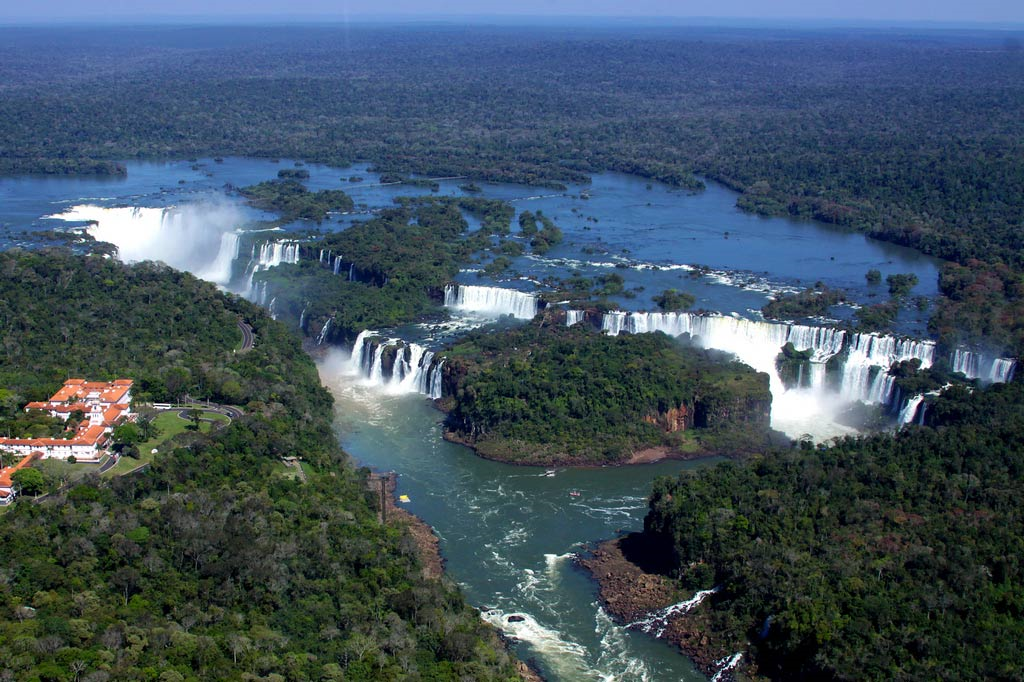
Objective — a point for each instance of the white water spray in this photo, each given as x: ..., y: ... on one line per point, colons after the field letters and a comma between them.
x: 201, y: 238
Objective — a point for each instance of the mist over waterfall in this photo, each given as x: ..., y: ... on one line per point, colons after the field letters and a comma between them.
x: 862, y: 362
x: 396, y: 366
x: 201, y: 238
x: 490, y: 301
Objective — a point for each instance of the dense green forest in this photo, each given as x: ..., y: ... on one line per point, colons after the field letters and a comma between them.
x: 211, y: 564
x: 911, y: 137
x: 546, y: 393
x: 884, y: 557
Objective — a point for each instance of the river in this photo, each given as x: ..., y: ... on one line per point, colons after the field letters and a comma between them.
x: 507, y: 533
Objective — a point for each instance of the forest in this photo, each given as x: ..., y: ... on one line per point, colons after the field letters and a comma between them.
x: 211, y: 564
x: 549, y: 394
x: 911, y: 137
x: 882, y: 557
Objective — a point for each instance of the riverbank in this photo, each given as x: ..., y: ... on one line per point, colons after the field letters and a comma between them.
x: 634, y: 592
x: 428, y: 550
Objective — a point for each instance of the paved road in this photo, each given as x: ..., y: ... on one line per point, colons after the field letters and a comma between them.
x: 248, y: 337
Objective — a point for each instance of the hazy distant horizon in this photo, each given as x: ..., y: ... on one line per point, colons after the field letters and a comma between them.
x: 941, y: 13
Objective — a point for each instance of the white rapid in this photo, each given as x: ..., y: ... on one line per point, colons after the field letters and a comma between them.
x: 657, y: 622
x: 201, y: 238
x: 490, y: 301
x: 909, y: 411
x: 414, y: 369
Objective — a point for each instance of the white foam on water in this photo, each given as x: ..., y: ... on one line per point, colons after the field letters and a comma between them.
x: 657, y: 622
x: 566, y: 658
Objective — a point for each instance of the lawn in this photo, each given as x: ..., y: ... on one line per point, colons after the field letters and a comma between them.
x: 168, y: 425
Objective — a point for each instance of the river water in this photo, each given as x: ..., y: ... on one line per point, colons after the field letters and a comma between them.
x: 507, y: 533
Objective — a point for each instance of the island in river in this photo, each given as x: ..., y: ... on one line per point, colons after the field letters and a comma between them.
x: 547, y: 394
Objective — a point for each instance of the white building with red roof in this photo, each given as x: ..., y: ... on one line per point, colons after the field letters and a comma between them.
x: 103, y: 406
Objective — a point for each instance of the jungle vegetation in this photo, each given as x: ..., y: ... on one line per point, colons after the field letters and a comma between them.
x: 878, y: 558
x: 212, y: 563
x: 545, y: 393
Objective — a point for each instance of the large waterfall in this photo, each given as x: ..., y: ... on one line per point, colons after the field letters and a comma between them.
x: 413, y: 370
x: 491, y: 301
x: 573, y: 317
x: 201, y: 238
x: 863, y: 361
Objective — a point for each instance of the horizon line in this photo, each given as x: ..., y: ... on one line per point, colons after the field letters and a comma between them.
x: 645, y: 21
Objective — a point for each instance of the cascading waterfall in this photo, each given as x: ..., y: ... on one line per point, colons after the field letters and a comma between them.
x: 324, y: 331
x: 573, y: 317
x: 414, y: 370
x: 490, y: 301
x: 909, y: 410
x: 865, y: 360
x: 221, y: 269
x: 272, y: 254
x: 978, y: 366
x: 269, y: 255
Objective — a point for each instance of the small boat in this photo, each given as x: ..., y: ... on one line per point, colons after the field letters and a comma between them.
x: 403, y: 498
x: 549, y: 473
x: 574, y: 493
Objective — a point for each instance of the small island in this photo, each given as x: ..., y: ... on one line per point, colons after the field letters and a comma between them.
x: 546, y: 394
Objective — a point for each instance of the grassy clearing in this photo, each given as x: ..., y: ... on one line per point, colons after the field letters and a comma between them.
x: 168, y: 425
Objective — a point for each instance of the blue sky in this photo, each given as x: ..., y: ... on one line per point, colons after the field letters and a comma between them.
x: 896, y: 11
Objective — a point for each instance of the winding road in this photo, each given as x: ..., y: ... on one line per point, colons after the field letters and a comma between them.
x: 248, y: 336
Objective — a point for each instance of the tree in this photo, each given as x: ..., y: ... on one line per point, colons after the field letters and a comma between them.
x: 28, y: 481
x: 674, y: 300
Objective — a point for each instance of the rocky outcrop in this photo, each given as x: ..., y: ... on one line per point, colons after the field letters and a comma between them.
x: 673, y: 420
x: 631, y: 589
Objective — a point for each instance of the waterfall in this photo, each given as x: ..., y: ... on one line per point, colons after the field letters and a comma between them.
x: 337, y: 264
x: 351, y: 271
x: 272, y: 254
x: 221, y: 269
x: 863, y: 362
x: 269, y: 255
x: 201, y: 238
x: 302, y: 318
x: 909, y: 410
x: 324, y: 331
x: 755, y: 343
x: 978, y: 366
x: 573, y: 317
x: 414, y: 370
x: 490, y: 301
x: 270, y: 308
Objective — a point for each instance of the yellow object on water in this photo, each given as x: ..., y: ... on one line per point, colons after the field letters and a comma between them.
x: 403, y: 498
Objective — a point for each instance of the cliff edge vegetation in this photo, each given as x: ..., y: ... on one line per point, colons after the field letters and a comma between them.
x: 549, y: 394
x: 878, y: 558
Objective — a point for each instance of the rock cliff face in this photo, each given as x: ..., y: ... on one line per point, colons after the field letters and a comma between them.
x: 725, y: 411
x: 673, y: 421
